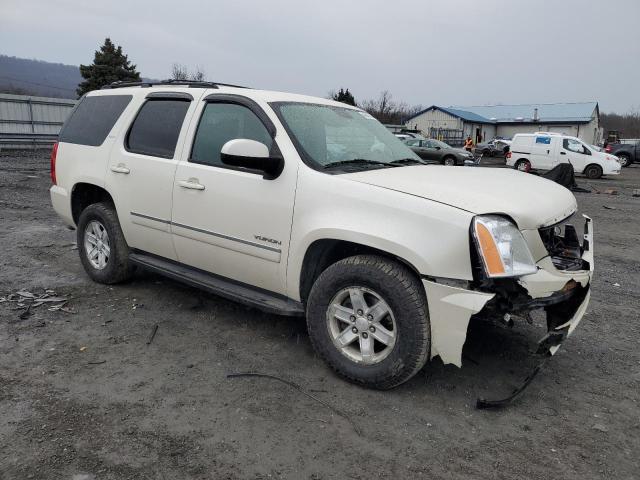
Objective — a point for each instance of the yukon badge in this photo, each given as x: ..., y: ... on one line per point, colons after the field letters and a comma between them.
x: 269, y: 240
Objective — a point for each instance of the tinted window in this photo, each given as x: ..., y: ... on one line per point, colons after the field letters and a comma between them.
x: 222, y: 122
x: 156, y: 128
x: 93, y: 119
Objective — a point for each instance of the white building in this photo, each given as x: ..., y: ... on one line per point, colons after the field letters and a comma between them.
x: 483, y: 123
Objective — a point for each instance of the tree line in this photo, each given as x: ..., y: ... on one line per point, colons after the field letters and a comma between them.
x: 384, y: 108
x: 628, y: 124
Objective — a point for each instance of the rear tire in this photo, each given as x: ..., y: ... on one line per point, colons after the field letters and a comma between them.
x: 369, y: 298
x: 103, y: 250
x: 523, y: 165
x: 593, y: 171
x: 625, y: 160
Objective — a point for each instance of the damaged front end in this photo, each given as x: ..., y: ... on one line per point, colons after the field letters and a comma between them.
x: 560, y: 286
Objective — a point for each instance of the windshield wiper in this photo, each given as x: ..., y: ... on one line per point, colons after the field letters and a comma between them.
x: 409, y: 161
x: 358, y: 161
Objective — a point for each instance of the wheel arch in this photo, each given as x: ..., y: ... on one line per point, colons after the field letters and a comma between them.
x: 84, y: 194
x: 324, y: 252
x: 593, y: 165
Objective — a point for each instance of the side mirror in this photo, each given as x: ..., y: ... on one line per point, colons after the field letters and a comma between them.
x: 438, y: 148
x: 252, y: 155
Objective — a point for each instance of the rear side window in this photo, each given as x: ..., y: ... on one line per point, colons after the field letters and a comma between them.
x: 156, y: 128
x: 93, y: 119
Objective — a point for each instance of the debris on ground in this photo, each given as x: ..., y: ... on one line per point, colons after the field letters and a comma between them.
x: 636, y: 192
x: 29, y: 300
x: 610, y: 191
x: 600, y: 427
x: 607, y: 207
x: 82, y: 349
x: 152, y: 335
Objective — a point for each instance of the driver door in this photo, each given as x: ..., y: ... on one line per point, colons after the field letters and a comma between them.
x: 574, y: 152
x: 227, y: 220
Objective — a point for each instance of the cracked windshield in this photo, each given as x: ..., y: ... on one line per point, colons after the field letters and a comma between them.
x: 343, y: 138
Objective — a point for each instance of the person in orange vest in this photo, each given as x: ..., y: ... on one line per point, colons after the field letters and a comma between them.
x: 468, y: 144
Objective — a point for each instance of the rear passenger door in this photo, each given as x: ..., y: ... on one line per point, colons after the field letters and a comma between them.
x: 142, y: 166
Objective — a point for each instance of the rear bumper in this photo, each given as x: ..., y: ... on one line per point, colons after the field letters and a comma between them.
x: 61, y: 203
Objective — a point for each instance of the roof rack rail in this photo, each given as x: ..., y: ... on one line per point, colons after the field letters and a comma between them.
x: 188, y: 83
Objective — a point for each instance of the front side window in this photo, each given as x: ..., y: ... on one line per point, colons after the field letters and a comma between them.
x: 575, y: 146
x: 221, y: 122
x: 328, y: 136
x: 156, y: 128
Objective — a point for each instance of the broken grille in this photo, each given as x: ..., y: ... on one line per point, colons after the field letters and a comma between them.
x: 563, y: 244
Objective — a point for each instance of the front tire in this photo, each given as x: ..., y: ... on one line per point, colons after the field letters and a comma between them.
x: 103, y: 250
x: 449, y: 161
x: 593, y: 171
x: 368, y: 319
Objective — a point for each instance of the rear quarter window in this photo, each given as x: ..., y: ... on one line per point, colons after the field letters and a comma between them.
x: 93, y: 119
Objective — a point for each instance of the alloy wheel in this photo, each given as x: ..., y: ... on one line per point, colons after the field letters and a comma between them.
x: 361, y: 325
x: 96, y: 244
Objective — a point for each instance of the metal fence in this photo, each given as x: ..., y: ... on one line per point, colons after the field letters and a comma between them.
x: 450, y: 136
x: 31, y: 122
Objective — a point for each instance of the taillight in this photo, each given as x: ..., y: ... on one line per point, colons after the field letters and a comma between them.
x: 508, y: 155
x: 54, y: 154
x: 607, y: 149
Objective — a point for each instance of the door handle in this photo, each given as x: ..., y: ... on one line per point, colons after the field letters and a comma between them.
x: 192, y: 184
x: 120, y: 168
x: 562, y: 153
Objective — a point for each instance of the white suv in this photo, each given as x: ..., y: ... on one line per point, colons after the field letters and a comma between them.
x: 304, y: 206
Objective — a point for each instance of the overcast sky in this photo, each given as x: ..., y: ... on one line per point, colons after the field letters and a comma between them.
x: 465, y: 52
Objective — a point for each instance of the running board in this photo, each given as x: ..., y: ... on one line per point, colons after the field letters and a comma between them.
x: 239, y: 292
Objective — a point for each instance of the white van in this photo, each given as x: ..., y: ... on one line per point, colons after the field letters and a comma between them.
x: 545, y: 150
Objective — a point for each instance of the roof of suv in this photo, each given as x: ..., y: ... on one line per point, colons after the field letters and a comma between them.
x: 212, y: 88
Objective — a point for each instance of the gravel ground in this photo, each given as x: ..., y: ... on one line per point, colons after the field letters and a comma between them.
x: 83, y: 396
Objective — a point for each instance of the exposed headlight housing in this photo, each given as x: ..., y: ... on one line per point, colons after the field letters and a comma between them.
x: 502, y: 248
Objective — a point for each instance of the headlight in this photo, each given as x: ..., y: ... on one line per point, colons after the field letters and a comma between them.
x: 502, y: 247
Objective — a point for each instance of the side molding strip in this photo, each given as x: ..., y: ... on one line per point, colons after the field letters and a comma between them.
x: 208, y: 232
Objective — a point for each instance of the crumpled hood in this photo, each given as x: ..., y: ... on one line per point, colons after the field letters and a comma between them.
x: 530, y: 200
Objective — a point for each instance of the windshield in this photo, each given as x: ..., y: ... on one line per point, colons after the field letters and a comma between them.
x: 327, y: 135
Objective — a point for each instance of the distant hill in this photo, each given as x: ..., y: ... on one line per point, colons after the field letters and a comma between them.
x: 36, y: 77
x: 23, y: 76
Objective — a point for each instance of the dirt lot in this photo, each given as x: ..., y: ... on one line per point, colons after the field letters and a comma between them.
x: 121, y: 409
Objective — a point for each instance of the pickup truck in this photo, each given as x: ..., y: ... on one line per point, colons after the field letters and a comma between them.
x: 628, y: 153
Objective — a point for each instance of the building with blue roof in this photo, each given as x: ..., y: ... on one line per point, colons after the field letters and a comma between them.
x: 485, y: 122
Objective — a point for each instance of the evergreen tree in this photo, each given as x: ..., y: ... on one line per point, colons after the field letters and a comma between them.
x: 345, y: 96
x: 109, y: 65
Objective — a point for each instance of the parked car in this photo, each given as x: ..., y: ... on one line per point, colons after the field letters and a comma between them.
x: 438, y: 151
x: 627, y: 153
x: 497, y: 147
x: 544, y: 150
x: 389, y: 259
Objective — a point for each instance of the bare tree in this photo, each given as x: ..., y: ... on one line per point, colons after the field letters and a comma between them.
x: 386, y: 110
x: 181, y: 72
x: 628, y: 123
